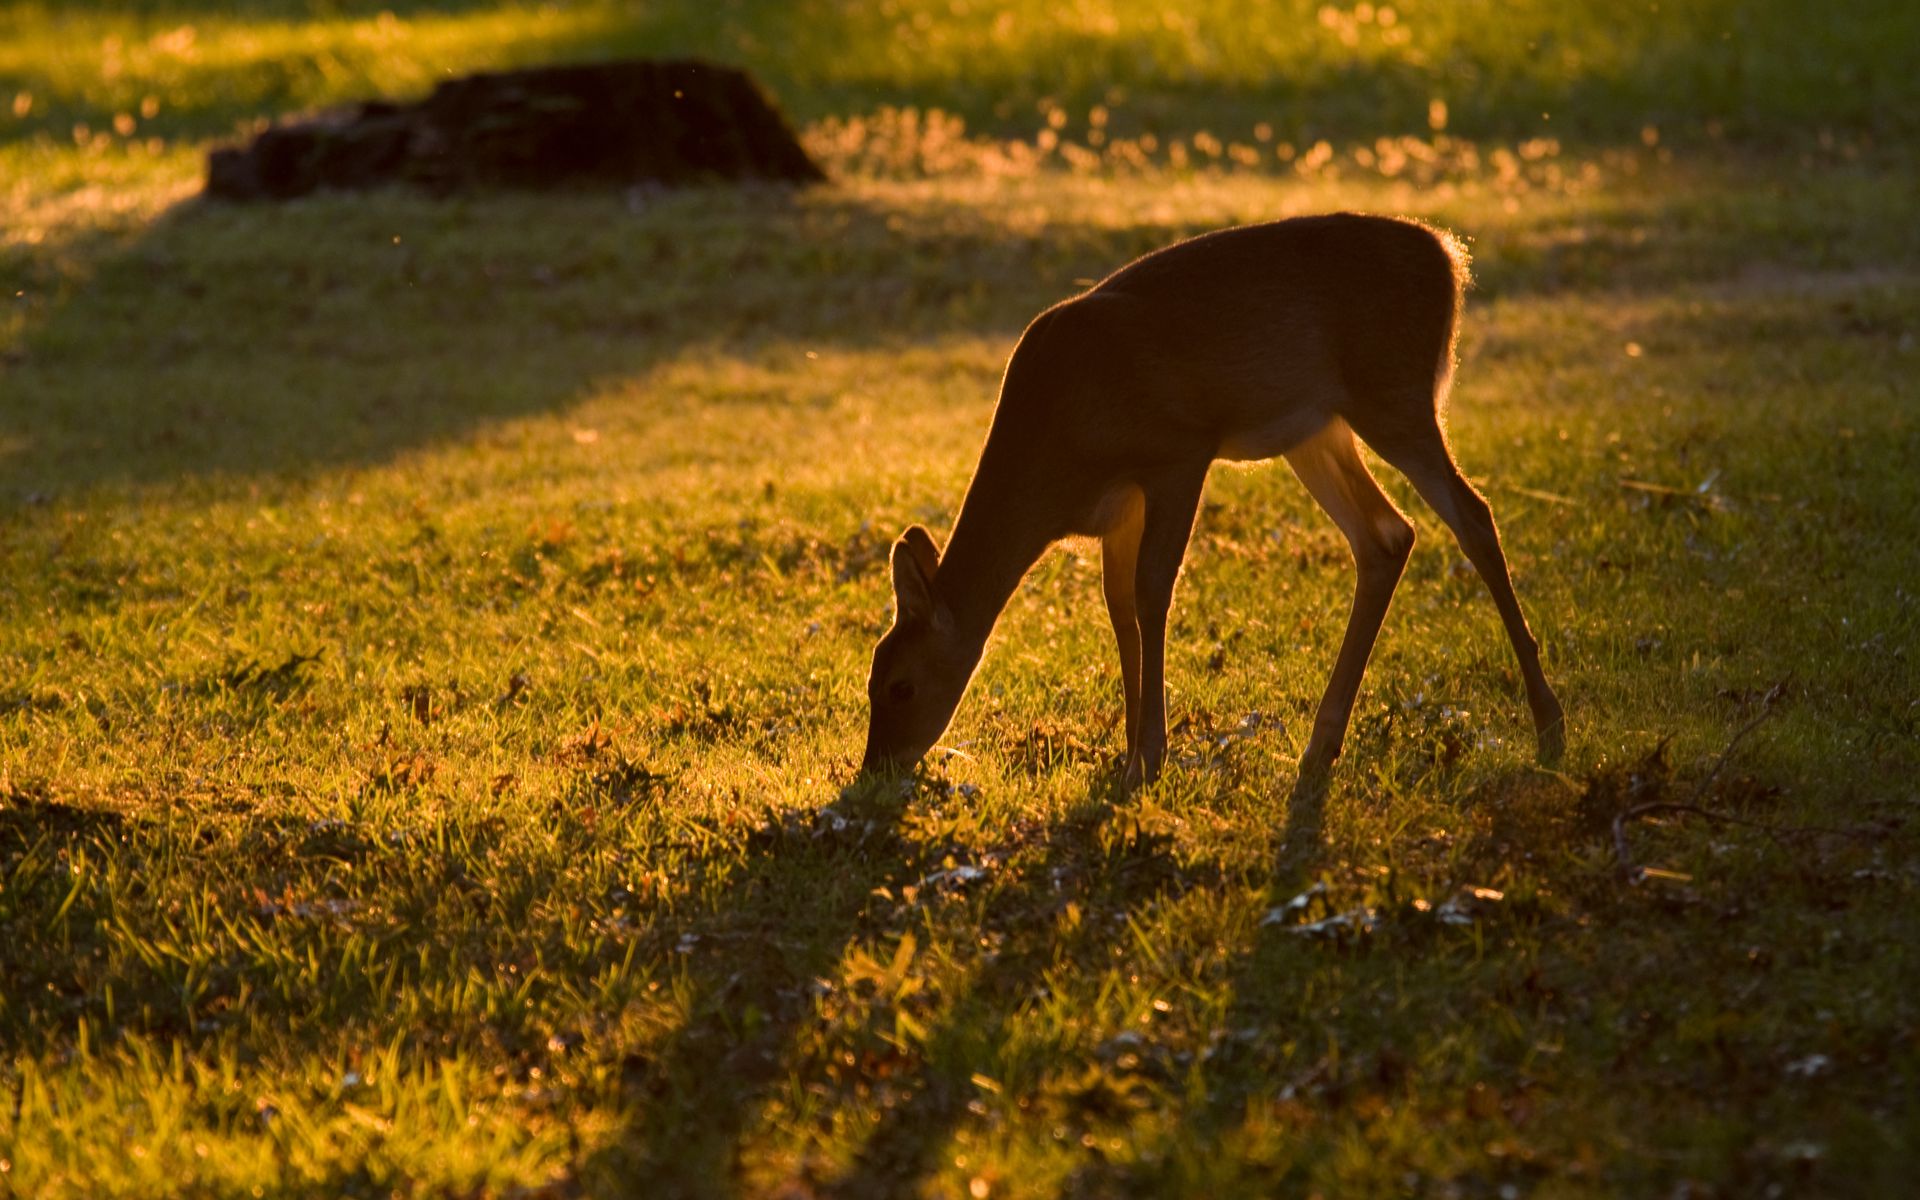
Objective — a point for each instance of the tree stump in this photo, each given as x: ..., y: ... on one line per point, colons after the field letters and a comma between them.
x: 601, y: 124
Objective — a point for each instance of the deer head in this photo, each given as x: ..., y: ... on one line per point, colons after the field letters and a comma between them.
x: 920, y: 668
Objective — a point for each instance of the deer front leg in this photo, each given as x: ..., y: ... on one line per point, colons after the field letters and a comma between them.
x: 1119, y: 559
x: 1167, y: 524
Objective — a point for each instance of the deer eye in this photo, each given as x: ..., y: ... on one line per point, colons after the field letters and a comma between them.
x: 901, y: 691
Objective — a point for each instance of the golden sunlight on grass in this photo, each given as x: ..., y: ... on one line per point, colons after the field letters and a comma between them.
x: 140, y: 71
x: 434, y: 630
x: 906, y: 143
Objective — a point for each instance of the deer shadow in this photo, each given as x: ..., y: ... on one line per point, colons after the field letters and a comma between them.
x: 750, y: 966
x: 1096, y: 860
x: 775, y: 1011
x: 1081, y: 880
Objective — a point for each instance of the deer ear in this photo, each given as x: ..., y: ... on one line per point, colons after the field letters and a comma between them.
x: 920, y: 542
x: 915, y: 558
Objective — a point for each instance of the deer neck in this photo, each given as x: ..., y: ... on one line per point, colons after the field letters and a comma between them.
x: 1006, y: 523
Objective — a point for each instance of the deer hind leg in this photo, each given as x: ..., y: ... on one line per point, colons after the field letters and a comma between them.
x: 1166, y: 524
x: 1381, y: 538
x: 1428, y: 464
x: 1119, y: 562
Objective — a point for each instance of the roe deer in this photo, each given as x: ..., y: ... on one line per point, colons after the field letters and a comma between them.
x: 1281, y: 339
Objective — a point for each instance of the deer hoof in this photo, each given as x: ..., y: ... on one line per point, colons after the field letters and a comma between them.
x: 1317, y: 762
x: 1550, y: 727
x: 1142, y: 770
x: 1553, y: 742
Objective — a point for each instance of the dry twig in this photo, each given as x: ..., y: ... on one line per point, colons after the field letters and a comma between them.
x: 1633, y: 874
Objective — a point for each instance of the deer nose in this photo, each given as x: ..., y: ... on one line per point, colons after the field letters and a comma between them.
x: 877, y: 759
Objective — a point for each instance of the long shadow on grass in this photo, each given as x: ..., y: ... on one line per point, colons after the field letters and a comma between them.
x: 1058, y: 913
x: 38, y: 836
x: 340, y: 331
x: 1066, y: 914
x: 787, y: 905
x: 277, y: 343
x: 1065, y: 917
x: 806, y: 1001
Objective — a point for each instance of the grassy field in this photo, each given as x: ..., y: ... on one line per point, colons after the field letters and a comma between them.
x: 433, y: 633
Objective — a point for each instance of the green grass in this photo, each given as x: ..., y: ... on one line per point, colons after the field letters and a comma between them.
x: 432, y: 635
x: 1504, y: 68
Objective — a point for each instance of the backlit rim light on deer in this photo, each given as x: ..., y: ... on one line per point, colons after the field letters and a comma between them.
x: 1294, y: 339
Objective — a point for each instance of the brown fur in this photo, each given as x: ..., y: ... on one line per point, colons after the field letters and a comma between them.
x: 1284, y: 339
